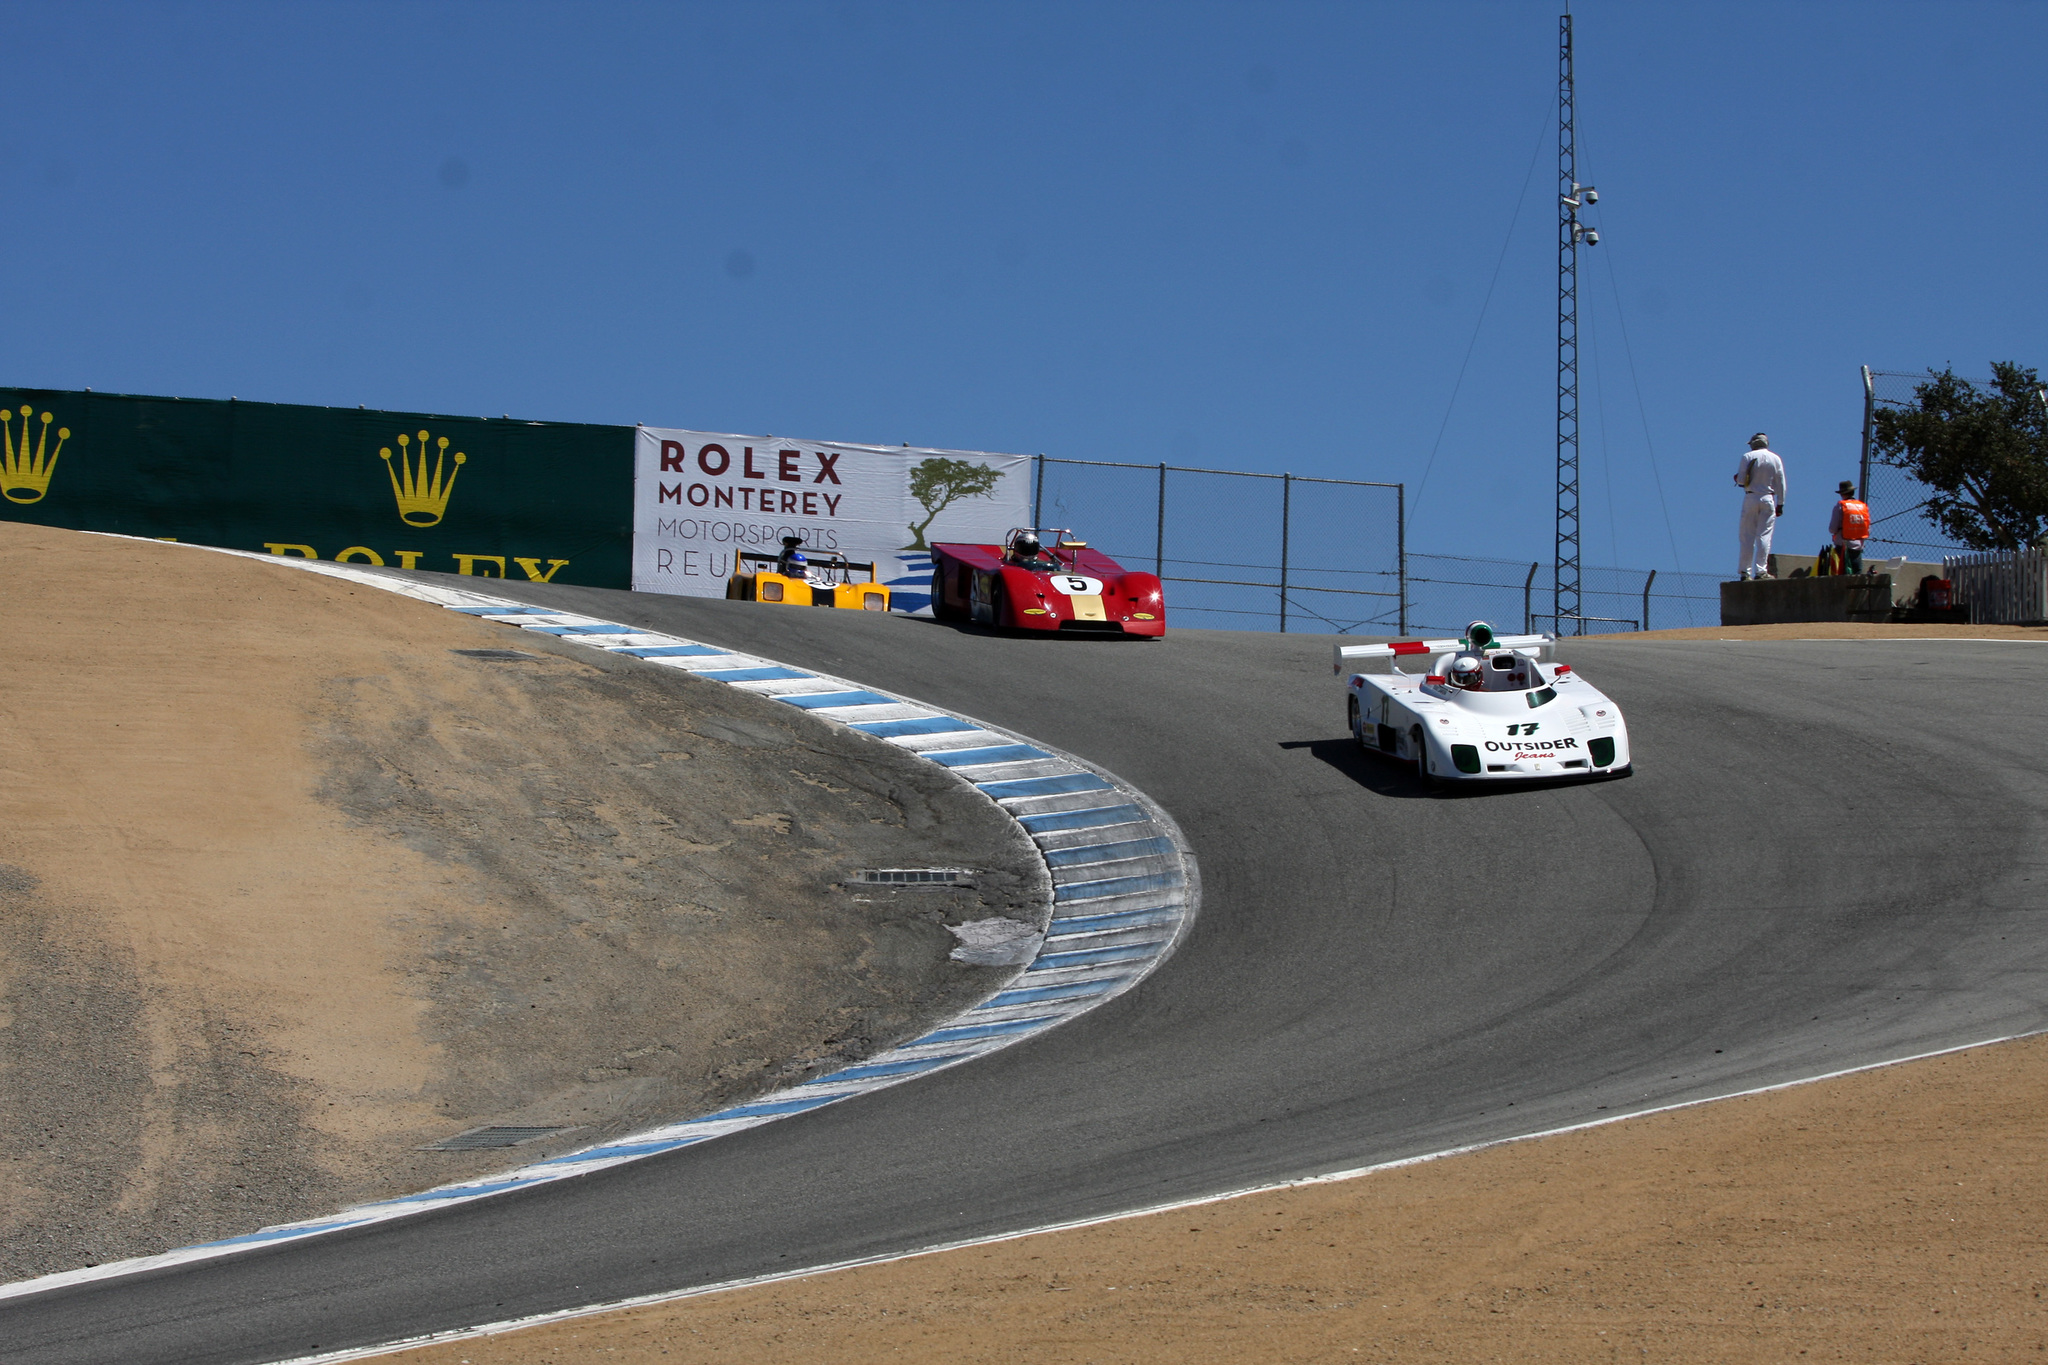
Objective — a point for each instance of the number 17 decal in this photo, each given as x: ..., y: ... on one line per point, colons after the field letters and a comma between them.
x: 1526, y: 728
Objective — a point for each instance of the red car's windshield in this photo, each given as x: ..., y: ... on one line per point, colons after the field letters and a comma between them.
x: 1042, y: 559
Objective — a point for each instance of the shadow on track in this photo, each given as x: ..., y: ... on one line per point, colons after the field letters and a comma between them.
x: 1397, y: 778
x: 976, y: 628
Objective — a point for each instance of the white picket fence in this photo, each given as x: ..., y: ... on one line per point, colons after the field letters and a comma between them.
x: 2002, y: 587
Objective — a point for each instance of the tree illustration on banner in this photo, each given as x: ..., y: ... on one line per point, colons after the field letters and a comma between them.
x: 938, y: 483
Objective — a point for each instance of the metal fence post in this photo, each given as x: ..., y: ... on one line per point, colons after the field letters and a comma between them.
x: 1444, y: 575
x: 1286, y: 517
x: 1401, y: 554
x: 1869, y: 414
x: 1159, y: 545
x: 1646, y: 598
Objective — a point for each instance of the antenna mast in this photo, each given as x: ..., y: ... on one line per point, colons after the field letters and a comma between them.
x: 1570, y: 233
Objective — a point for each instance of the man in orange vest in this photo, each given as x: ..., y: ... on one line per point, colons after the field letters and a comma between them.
x: 1849, y: 525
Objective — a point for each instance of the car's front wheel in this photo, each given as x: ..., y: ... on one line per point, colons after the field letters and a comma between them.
x: 1422, y: 771
x: 940, y: 611
x: 1357, y: 730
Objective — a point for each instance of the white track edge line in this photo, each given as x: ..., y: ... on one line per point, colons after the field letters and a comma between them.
x: 1332, y: 1177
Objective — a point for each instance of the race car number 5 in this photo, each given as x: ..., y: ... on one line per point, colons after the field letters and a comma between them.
x: 1074, y: 585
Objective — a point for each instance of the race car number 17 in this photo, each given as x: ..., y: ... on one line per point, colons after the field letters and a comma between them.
x: 1074, y: 585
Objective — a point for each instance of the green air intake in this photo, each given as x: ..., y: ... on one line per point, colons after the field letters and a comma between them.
x: 1602, y: 750
x: 1466, y: 756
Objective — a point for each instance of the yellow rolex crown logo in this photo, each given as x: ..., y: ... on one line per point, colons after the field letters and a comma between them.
x: 25, y: 473
x: 422, y: 492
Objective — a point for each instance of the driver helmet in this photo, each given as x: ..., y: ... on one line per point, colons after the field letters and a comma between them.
x: 1466, y: 672
x: 793, y: 563
x: 1026, y: 546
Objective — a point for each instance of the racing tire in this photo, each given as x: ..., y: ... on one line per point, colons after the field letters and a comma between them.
x: 998, y: 605
x: 940, y: 611
x: 1351, y: 709
x: 1423, y: 774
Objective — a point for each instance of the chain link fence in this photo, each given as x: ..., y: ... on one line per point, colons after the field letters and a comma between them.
x: 1246, y: 551
x: 1448, y: 591
x: 1895, y: 496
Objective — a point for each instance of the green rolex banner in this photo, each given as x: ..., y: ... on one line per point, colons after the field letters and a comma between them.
x: 494, y: 498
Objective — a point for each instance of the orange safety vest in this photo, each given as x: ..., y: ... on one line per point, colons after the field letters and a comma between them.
x: 1855, y: 520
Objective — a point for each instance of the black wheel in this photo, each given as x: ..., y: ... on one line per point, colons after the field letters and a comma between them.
x: 1422, y: 771
x: 998, y: 604
x: 940, y: 611
x: 1351, y: 710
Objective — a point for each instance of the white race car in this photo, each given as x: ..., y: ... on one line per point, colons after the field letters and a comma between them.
x: 1487, y: 710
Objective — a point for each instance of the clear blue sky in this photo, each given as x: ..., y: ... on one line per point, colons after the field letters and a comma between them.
x: 1247, y: 236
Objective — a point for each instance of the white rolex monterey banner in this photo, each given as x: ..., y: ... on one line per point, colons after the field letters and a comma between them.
x: 699, y: 496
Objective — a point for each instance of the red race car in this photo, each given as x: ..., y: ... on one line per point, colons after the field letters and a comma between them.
x: 1044, y: 580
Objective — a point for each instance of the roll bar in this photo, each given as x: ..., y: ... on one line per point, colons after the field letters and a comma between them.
x: 829, y: 560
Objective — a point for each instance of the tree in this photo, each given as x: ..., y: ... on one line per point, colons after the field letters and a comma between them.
x: 1985, y: 455
x: 938, y: 483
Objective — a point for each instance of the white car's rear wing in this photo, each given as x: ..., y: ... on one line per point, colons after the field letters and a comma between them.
x: 1530, y: 645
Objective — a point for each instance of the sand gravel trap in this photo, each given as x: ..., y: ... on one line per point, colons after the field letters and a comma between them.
x: 288, y: 889
x: 1891, y: 1216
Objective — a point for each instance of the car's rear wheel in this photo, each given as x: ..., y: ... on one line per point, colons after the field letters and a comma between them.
x: 1357, y: 731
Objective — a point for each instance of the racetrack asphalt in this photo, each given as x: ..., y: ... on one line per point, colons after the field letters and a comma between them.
x: 1826, y: 857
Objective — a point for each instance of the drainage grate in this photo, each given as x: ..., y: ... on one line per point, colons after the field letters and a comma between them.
x: 495, y: 654
x: 491, y: 1137
x: 916, y: 876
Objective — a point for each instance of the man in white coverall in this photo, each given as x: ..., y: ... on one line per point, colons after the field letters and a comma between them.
x: 1762, y: 481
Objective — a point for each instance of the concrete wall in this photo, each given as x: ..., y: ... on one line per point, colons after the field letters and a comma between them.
x: 1906, y: 575
x: 1767, y: 601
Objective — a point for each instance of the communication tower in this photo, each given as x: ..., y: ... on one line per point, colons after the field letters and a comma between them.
x: 1571, y: 234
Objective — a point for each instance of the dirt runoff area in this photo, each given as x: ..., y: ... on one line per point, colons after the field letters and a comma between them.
x: 1894, y: 1215
x: 289, y: 888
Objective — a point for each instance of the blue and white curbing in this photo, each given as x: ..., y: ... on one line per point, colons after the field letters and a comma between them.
x: 1125, y: 889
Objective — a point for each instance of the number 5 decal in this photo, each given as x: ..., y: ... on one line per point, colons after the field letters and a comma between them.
x: 1075, y: 585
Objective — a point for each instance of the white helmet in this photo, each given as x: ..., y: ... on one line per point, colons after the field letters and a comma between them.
x: 1467, y: 672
